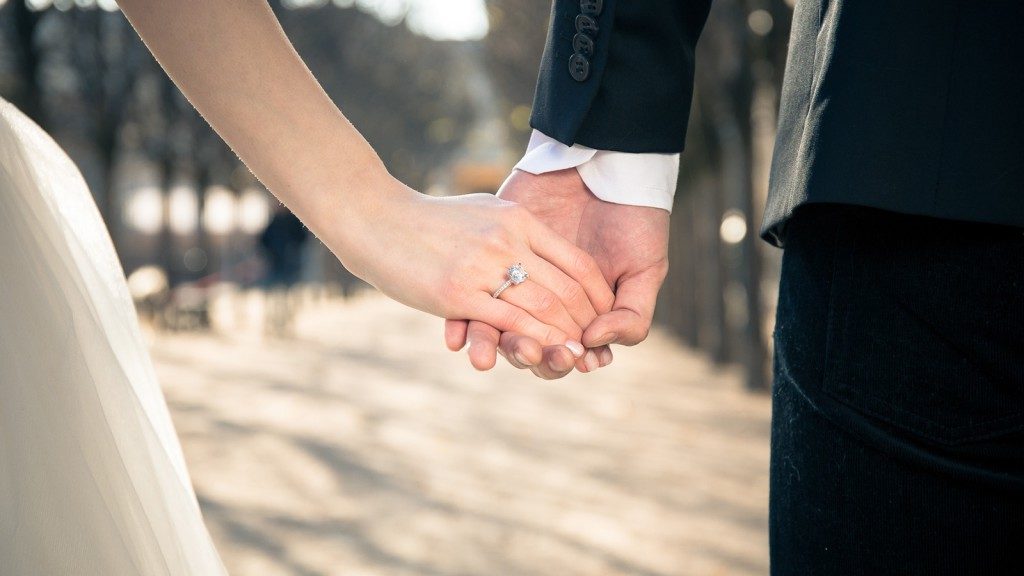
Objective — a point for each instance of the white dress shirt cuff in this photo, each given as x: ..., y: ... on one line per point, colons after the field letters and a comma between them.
x: 647, y: 179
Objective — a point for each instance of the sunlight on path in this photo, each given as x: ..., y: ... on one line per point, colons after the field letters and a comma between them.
x: 364, y: 447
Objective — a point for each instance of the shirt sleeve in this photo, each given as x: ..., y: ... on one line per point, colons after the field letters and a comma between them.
x: 635, y: 179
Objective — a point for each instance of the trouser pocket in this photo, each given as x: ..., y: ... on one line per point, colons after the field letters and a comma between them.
x: 926, y: 326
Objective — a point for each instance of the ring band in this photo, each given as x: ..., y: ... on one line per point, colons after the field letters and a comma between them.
x: 516, y: 275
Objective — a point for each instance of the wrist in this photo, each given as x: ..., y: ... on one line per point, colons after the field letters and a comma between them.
x: 350, y: 217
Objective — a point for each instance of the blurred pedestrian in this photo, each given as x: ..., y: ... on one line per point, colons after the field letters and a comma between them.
x: 282, y: 243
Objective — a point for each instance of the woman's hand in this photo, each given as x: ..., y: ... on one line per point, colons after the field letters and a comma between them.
x: 446, y: 256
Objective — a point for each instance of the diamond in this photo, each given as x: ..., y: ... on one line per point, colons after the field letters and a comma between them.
x: 517, y: 274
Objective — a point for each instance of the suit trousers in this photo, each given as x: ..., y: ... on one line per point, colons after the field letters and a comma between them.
x: 898, y: 397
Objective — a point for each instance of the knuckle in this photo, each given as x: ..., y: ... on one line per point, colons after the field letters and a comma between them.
x: 546, y: 303
x: 580, y: 262
x: 662, y: 268
x: 514, y: 319
x: 573, y: 292
x: 453, y: 293
x: 642, y: 333
x: 497, y: 239
x: 583, y: 265
x: 517, y: 214
x: 519, y: 219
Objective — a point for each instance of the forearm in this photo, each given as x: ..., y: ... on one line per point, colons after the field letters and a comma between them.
x: 288, y: 132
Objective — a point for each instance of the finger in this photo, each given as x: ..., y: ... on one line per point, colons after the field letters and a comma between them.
x: 508, y: 318
x: 483, y: 345
x: 550, y: 363
x: 557, y: 361
x: 594, y: 358
x: 571, y: 294
x: 543, y: 305
x: 455, y: 334
x: 520, y: 351
x: 576, y: 263
x: 629, y: 322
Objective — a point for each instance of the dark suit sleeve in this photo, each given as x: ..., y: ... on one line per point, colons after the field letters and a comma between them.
x: 633, y: 94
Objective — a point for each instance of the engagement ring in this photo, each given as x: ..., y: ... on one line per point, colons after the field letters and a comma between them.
x: 516, y: 275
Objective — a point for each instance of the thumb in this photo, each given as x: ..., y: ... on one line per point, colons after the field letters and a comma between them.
x: 630, y: 319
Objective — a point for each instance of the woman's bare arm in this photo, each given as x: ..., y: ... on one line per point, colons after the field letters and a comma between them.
x: 234, y: 63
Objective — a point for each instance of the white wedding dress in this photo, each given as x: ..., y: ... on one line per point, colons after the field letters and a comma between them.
x: 92, y: 478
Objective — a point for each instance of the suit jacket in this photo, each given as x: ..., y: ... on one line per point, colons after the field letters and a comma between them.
x: 913, y: 106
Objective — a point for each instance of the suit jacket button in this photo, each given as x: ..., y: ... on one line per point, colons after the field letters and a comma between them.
x: 592, y: 7
x: 579, y: 67
x: 583, y: 44
x: 586, y: 24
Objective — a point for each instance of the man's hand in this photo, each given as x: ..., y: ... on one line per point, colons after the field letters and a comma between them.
x: 630, y: 245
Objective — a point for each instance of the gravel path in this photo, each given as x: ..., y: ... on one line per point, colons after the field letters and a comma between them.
x: 363, y: 447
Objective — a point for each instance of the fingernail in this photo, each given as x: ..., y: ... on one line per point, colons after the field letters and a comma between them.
x: 606, y: 357
x: 590, y: 361
x: 575, y: 347
x: 607, y: 338
x: 520, y: 358
x: 559, y: 363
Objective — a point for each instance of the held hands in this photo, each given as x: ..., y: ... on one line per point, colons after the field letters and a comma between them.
x: 446, y: 256
x: 629, y: 244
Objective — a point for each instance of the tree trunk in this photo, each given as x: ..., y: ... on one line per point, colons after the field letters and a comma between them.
x: 28, y: 97
x: 754, y: 345
x: 717, y: 271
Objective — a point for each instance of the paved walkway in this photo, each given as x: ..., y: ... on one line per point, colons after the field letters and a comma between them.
x: 363, y: 447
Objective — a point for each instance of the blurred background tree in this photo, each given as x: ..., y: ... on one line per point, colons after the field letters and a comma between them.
x: 448, y: 113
